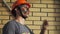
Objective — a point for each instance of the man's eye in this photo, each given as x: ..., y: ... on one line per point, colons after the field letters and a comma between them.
x: 25, y: 9
x: 22, y: 8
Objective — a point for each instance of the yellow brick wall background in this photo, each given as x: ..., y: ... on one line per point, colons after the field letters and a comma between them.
x: 40, y: 10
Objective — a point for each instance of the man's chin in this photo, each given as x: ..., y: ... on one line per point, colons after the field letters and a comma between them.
x: 25, y: 17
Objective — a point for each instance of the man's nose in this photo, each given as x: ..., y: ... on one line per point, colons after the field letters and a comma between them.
x: 27, y: 12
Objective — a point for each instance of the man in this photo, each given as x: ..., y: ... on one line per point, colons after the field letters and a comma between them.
x: 20, y: 11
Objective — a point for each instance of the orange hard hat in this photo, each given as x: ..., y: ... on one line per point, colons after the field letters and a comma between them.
x: 19, y: 2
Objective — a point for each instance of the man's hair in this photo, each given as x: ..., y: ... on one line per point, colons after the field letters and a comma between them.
x: 13, y: 12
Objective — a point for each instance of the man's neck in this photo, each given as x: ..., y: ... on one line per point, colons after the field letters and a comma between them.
x: 20, y: 20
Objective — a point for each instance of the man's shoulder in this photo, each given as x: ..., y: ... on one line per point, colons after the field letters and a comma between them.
x: 11, y: 22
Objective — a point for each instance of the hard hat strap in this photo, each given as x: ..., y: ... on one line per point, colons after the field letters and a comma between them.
x: 22, y: 11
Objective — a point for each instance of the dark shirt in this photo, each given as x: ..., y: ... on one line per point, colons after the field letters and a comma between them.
x: 13, y: 27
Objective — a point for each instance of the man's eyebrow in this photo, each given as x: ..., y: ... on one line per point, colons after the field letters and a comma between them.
x: 26, y: 7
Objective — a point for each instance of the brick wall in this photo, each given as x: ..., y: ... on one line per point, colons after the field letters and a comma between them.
x: 40, y: 10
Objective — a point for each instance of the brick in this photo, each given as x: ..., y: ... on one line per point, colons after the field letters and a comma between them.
x: 0, y: 13
x: 48, y: 18
x: 57, y: 10
x: 58, y: 19
x: 54, y: 14
x: 54, y: 32
x: 38, y: 22
x: 7, y: 0
x: 1, y: 26
x: 11, y: 17
x: 35, y: 9
x: 4, y: 21
x: 13, y: 0
x: 28, y: 22
x: 58, y: 27
x: 54, y: 23
x: 5, y: 13
x: 51, y: 27
x: 57, y: 1
x: 33, y: 27
x: 33, y: 18
x: 4, y: 17
x: 36, y: 31
x: 30, y: 14
x: 47, y: 1
x: 39, y: 14
x: 53, y: 6
x: 3, y: 8
x: 33, y: 1
x: 40, y: 5
x: 10, y: 4
x: 0, y: 21
x: 47, y: 10
x: 0, y: 4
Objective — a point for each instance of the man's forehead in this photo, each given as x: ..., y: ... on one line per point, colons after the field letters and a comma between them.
x: 24, y: 5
